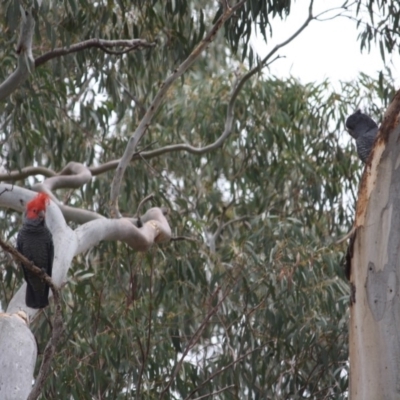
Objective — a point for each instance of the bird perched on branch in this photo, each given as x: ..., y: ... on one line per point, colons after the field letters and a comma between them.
x: 364, y: 129
x: 35, y: 242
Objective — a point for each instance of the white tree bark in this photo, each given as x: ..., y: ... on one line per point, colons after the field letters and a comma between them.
x: 18, y: 358
x: 375, y: 272
x: 18, y: 350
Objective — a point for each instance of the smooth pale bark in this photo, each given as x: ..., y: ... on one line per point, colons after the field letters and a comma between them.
x: 18, y: 350
x: 375, y: 271
x: 18, y: 344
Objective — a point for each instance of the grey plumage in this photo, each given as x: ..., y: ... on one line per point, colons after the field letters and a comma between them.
x: 364, y: 130
x: 35, y: 242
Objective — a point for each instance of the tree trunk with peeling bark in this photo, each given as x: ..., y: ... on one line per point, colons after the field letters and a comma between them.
x: 375, y: 271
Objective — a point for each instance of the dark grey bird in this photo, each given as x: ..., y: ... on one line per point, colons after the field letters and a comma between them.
x: 35, y: 242
x: 364, y: 129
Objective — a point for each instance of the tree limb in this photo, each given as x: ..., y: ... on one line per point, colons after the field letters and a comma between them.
x: 156, y: 103
x: 68, y: 243
x: 129, y: 44
x: 25, y: 57
x: 155, y: 229
x: 25, y: 173
x: 73, y: 175
x: 26, y: 62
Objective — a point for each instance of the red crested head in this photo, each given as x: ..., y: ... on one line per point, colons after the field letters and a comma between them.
x: 37, y: 206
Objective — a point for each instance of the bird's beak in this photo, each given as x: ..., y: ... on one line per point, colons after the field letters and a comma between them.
x: 41, y: 214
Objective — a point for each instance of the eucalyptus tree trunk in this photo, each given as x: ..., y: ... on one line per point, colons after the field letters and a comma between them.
x: 375, y: 271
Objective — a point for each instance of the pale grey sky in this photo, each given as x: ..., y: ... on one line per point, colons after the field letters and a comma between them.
x: 327, y: 49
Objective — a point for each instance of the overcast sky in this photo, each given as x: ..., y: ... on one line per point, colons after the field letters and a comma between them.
x: 327, y: 49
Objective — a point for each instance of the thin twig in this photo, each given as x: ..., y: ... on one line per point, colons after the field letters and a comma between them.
x: 179, y: 238
x: 345, y: 237
x: 212, y: 376
x: 195, y: 337
x: 139, y: 209
x: 7, y: 190
x: 134, y: 98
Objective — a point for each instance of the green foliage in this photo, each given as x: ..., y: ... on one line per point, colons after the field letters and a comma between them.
x: 379, y: 24
x: 261, y: 308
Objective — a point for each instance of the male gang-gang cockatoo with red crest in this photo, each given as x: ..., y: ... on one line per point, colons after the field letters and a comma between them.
x: 35, y: 242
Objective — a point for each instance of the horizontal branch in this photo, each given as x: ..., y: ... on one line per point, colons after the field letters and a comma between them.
x: 74, y: 175
x: 26, y: 173
x: 102, y: 44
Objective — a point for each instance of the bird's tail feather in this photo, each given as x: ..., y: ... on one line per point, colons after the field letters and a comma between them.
x: 37, y: 293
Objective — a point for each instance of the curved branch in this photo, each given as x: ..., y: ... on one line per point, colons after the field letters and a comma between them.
x: 155, y: 229
x: 25, y: 58
x: 156, y: 103
x: 130, y: 45
x: 73, y: 175
x: 139, y: 209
